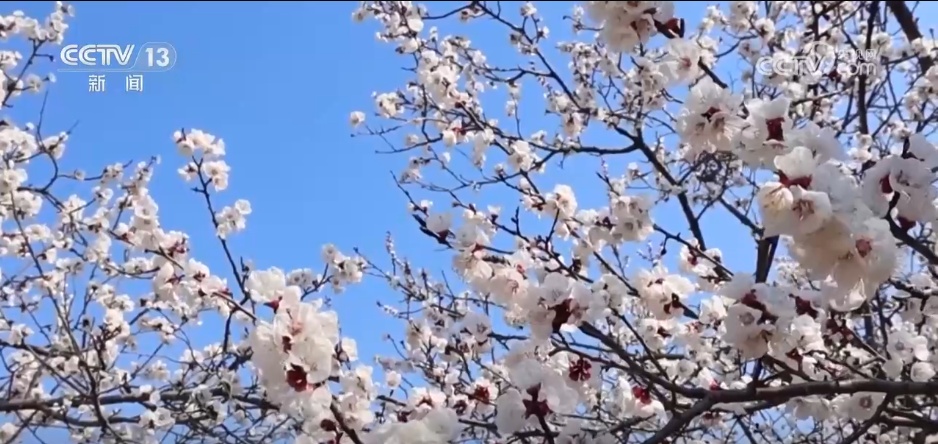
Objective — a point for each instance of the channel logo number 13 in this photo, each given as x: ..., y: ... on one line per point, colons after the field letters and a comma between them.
x: 157, y: 57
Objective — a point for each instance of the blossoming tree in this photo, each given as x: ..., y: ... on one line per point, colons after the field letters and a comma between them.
x: 758, y: 265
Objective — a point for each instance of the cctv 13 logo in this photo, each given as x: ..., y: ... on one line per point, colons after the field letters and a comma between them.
x: 109, y: 57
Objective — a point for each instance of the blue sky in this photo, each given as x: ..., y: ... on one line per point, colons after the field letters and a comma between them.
x: 277, y: 81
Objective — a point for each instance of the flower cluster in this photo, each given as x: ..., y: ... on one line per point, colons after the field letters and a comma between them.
x: 756, y: 262
x: 625, y: 318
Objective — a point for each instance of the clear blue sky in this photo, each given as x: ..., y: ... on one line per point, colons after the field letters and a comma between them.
x: 277, y: 81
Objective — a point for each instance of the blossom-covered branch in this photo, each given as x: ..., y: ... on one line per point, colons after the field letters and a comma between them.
x: 658, y: 228
x: 637, y: 313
